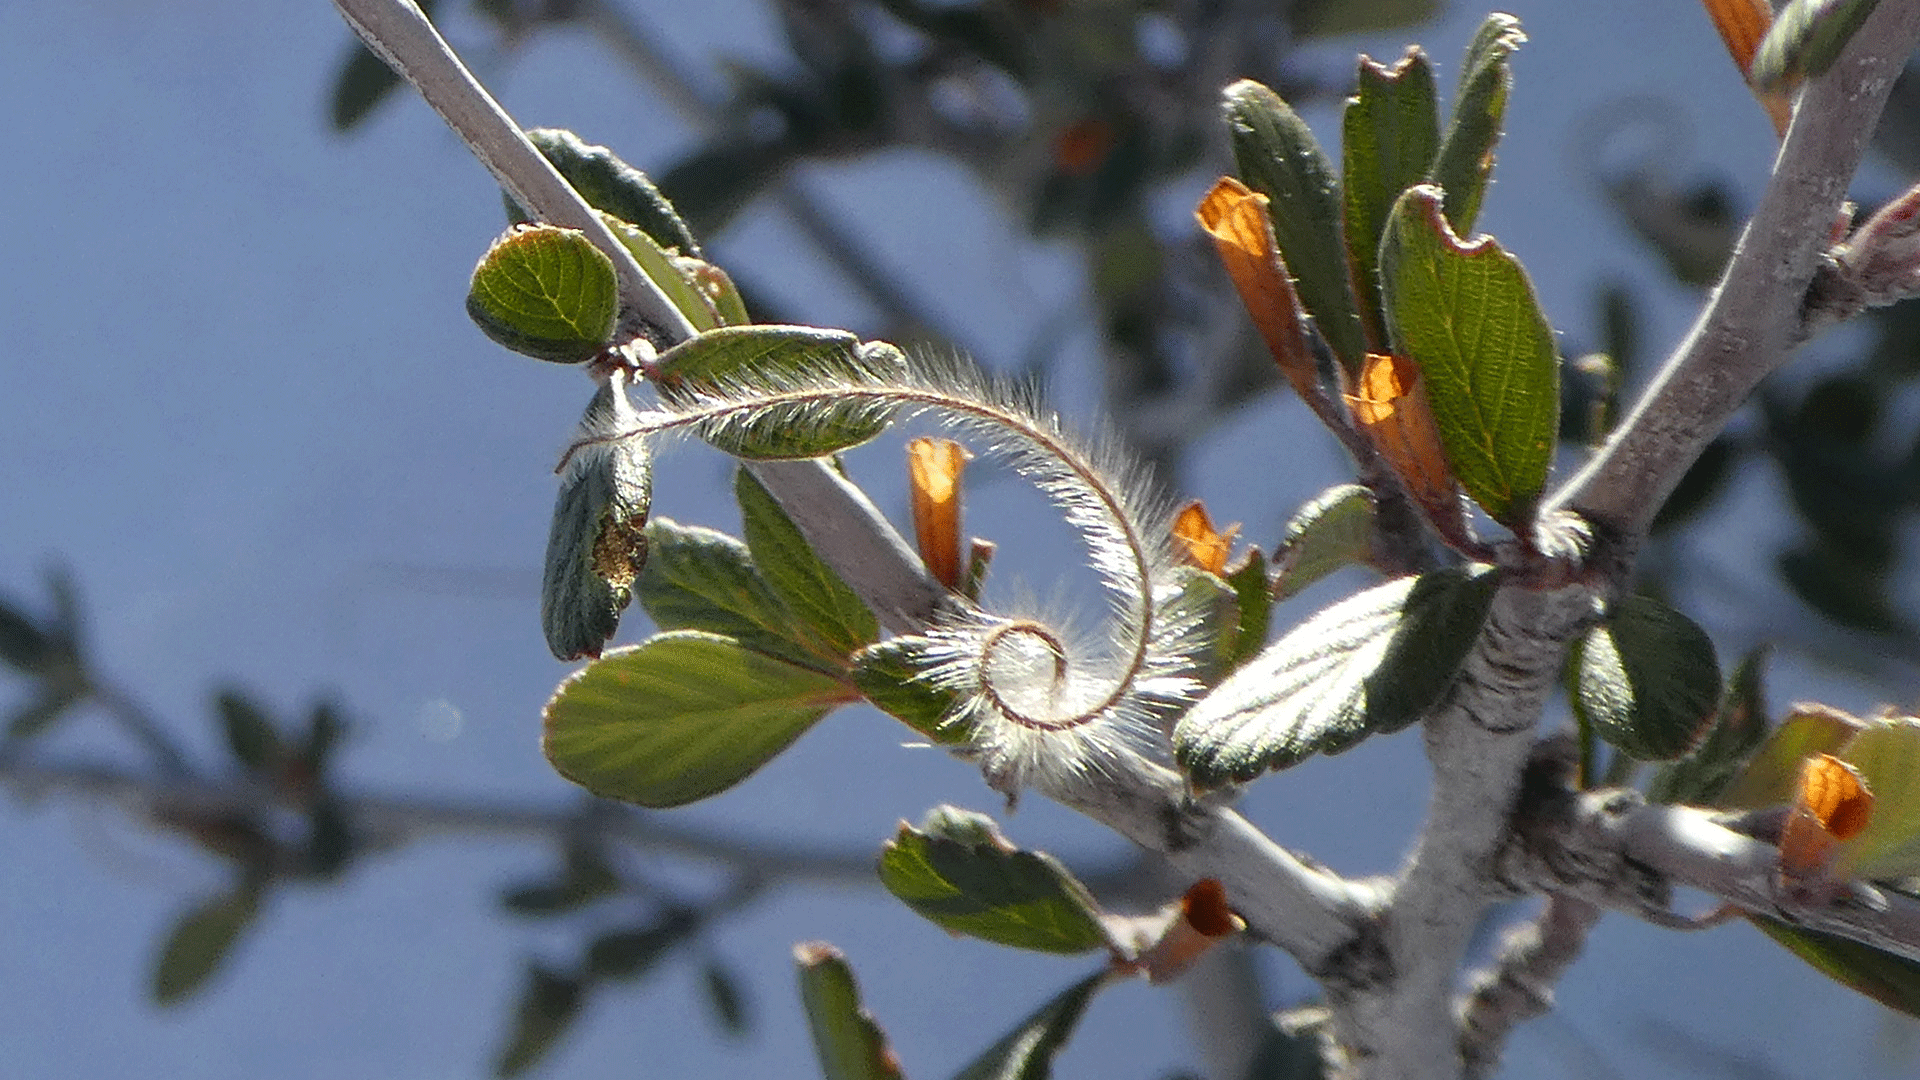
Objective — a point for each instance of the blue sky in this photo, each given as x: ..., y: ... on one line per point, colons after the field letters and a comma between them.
x: 244, y: 406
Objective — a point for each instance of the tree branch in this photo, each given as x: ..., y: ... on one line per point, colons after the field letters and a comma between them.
x: 1519, y: 985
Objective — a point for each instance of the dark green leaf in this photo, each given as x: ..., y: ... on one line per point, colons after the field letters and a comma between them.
x: 547, y: 1009
x: 1391, y: 130
x: 1805, y: 39
x: 1739, y: 727
x: 893, y: 676
x: 251, y: 736
x: 585, y: 878
x: 851, y: 1046
x: 702, y: 579
x: 825, y: 607
x: 1845, y: 588
x: 325, y: 729
x: 629, y: 954
x: 38, y: 715
x: 1330, y: 533
x: 958, y: 871
x: 1325, y: 18
x: 1465, y: 161
x: 1648, y: 681
x: 546, y: 292
x: 727, y: 1000
x: 1893, y: 981
x: 22, y: 645
x: 330, y: 839
x: 597, y: 544
x: 364, y: 82
x: 1699, y: 485
x: 1213, y: 608
x: 615, y: 187
x: 1027, y: 1052
x: 745, y: 358
x: 1372, y: 663
x: 1465, y: 313
x: 200, y: 942
x: 1254, y: 596
x: 1277, y: 156
x: 681, y: 717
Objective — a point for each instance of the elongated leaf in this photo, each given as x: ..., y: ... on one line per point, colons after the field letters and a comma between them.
x: 824, y: 606
x: 23, y: 646
x: 548, y: 1006
x: 701, y: 579
x: 851, y: 1046
x: 1027, y: 1052
x: 1887, y: 758
x: 1333, y: 531
x: 958, y: 871
x: 1805, y: 40
x: 1254, y: 596
x: 1391, y: 131
x: 253, y: 740
x: 776, y: 357
x: 1893, y: 981
x: 630, y: 953
x: 1648, y: 681
x: 1465, y: 161
x: 892, y: 675
x: 666, y: 271
x: 1278, y: 156
x: 680, y: 717
x: 1739, y: 727
x: 363, y: 83
x: 615, y: 187
x: 1372, y: 663
x: 1465, y: 313
x: 597, y: 545
x: 726, y: 1000
x: 1772, y: 771
x: 546, y: 292
x: 201, y: 941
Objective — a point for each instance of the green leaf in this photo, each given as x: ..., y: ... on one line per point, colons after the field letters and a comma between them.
x: 1027, y: 1052
x: 1739, y: 727
x: 851, y: 1046
x: 1277, y: 156
x: 1332, y: 532
x: 1465, y: 162
x: 826, y: 608
x: 1888, y: 847
x: 251, y: 737
x: 893, y: 676
x: 597, y: 544
x: 1391, y: 130
x: 363, y: 83
x: 958, y: 871
x: 727, y: 1000
x: 1254, y: 596
x: 1372, y: 663
x: 325, y: 729
x: 680, y: 717
x: 612, y: 186
x: 1772, y: 773
x: 1465, y: 313
x: 702, y: 579
x: 1647, y: 680
x: 585, y: 878
x: 548, y: 1006
x: 1211, y: 606
x: 1893, y: 981
x: 546, y: 292
x: 629, y: 954
x: 1805, y: 39
x: 200, y: 941
x: 22, y: 644
x: 718, y: 289
x: 775, y: 358
x: 664, y: 270
x: 1325, y: 18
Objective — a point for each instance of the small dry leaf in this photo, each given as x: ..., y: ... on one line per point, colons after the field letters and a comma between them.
x: 1235, y: 216
x: 934, y: 467
x: 1204, y: 921
x: 1831, y: 806
x: 1392, y: 409
x: 1199, y: 544
x: 1742, y: 24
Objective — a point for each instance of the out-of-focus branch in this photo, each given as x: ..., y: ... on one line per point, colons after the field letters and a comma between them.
x: 1518, y: 986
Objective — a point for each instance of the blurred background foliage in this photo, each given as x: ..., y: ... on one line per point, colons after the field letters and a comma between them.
x: 1089, y: 121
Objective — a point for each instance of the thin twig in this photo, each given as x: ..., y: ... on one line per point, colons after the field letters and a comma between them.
x: 1519, y: 985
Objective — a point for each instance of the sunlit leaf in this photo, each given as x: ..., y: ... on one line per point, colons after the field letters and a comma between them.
x: 1198, y: 543
x: 701, y: 579
x: 1278, y: 156
x: 772, y: 358
x: 1770, y: 774
x: 1391, y: 131
x: 1465, y: 161
x: 893, y: 676
x: 1372, y: 663
x: 666, y: 271
x: 1887, y: 845
x: 1647, y: 680
x: 1465, y: 312
x: 1390, y: 404
x: 934, y: 470
x: 1027, y: 1052
x: 1830, y: 806
x: 611, y: 185
x: 546, y: 292
x: 851, y: 1046
x: 683, y: 716
x: 824, y: 607
x: 1805, y: 40
x: 597, y: 544
x: 957, y: 870
x: 1333, y: 531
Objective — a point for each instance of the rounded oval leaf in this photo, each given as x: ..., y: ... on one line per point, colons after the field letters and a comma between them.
x: 680, y: 717
x: 612, y: 186
x: 597, y: 544
x: 1647, y: 680
x: 546, y: 292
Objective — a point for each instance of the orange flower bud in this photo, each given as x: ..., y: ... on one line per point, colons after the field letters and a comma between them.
x: 933, y: 470
x: 1198, y: 543
x: 1236, y: 217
